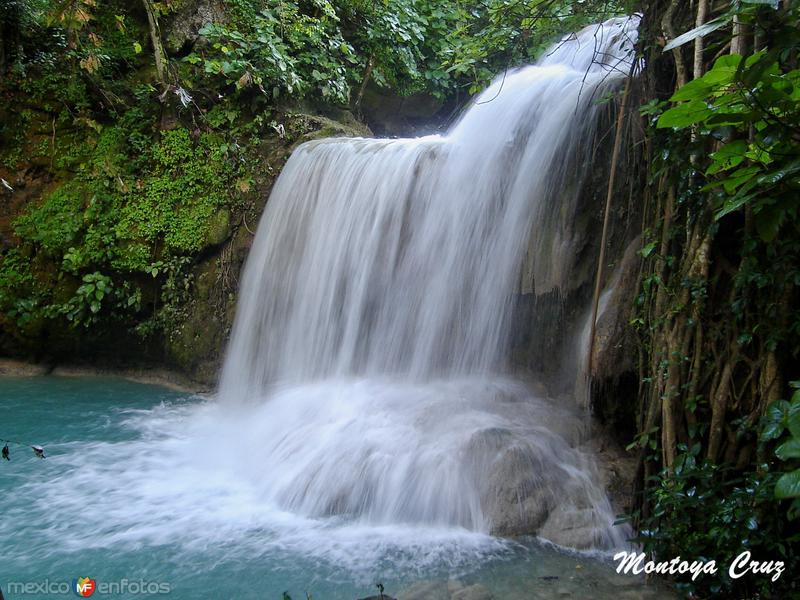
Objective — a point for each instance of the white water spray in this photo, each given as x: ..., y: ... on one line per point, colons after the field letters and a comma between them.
x: 373, y: 321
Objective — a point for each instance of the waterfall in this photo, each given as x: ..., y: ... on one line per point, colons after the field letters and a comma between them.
x: 371, y: 336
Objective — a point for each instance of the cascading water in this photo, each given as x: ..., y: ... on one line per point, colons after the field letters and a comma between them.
x: 373, y: 322
x: 368, y: 427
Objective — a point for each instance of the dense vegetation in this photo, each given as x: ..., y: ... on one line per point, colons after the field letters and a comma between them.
x: 146, y: 140
x: 145, y: 148
x: 717, y: 314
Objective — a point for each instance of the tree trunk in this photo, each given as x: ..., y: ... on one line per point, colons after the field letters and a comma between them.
x: 738, y: 42
x: 364, y: 81
x: 702, y: 11
x: 155, y: 38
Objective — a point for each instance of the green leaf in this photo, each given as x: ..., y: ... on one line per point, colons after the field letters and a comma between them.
x: 794, y: 511
x: 727, y: 157
x: 647, y: 250
x: 697, y: 89
x: 788, y: 485
x: 137, y: 47
x: 739, y: 177
x: 773, y: 3
x: 684, y: 115
x: 793, y: 418
x: 772, y: 424
x: 732, y: 205
x: 788, y: 449
x: 726, y: 61
x: 697, y: 32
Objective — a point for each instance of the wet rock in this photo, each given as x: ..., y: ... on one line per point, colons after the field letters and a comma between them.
x: 614, y: 345
x: 426, y: 590
x: 532, y: 489
x: 572, y: 527
x: 515, y: 498
x: 454, y: 585
x: 473, y: 592
x: 390, y: 114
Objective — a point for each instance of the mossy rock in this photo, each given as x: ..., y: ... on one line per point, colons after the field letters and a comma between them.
x: 317, y: 127
x: 219, y: 227
x: 196, y: 338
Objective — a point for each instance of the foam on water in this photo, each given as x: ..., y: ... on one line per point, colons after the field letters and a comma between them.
x: 182, y: 474
x: 139, y: 484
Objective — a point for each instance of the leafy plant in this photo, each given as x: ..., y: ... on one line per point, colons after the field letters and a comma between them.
x: 717, y: 306
x: 703, y: 511
x: 782, y: 423
x: 751, y: 105
x: 281, y: 50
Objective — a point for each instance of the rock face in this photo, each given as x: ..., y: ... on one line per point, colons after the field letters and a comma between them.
x: 197, y: 344
x: 391, y: 115
x: 551, y: 327
x: 181, y: 27
x: 554, y: 299
x: 547, y: 483
x: 445, y: 590
x: 197, y: 335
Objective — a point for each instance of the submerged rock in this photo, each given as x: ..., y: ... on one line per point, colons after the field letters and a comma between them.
x: 426, y: 590
x: 473, y: 592
x: 450, y: 589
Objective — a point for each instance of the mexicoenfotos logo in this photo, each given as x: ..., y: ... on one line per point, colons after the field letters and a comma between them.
x: 84, y: 586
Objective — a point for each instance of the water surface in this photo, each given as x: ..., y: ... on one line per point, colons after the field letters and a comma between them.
x: 137, y: 486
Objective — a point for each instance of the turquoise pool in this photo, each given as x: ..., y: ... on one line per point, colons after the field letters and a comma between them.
x: 139, y: 492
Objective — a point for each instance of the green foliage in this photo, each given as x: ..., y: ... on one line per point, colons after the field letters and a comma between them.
x: 85, y: 304
x: 326, y: 48
x: 282, y: 51
x: 752, y: 105
x: 708, y: 512
x: 189, y: 182
x: 55, y: 223
x: 716, y: 310
x: 405, y: 42
x: 782, y: 424
x: 118, y: 217
x: 494, y: 35
x: 322, y: 49
x: 20, y: 294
